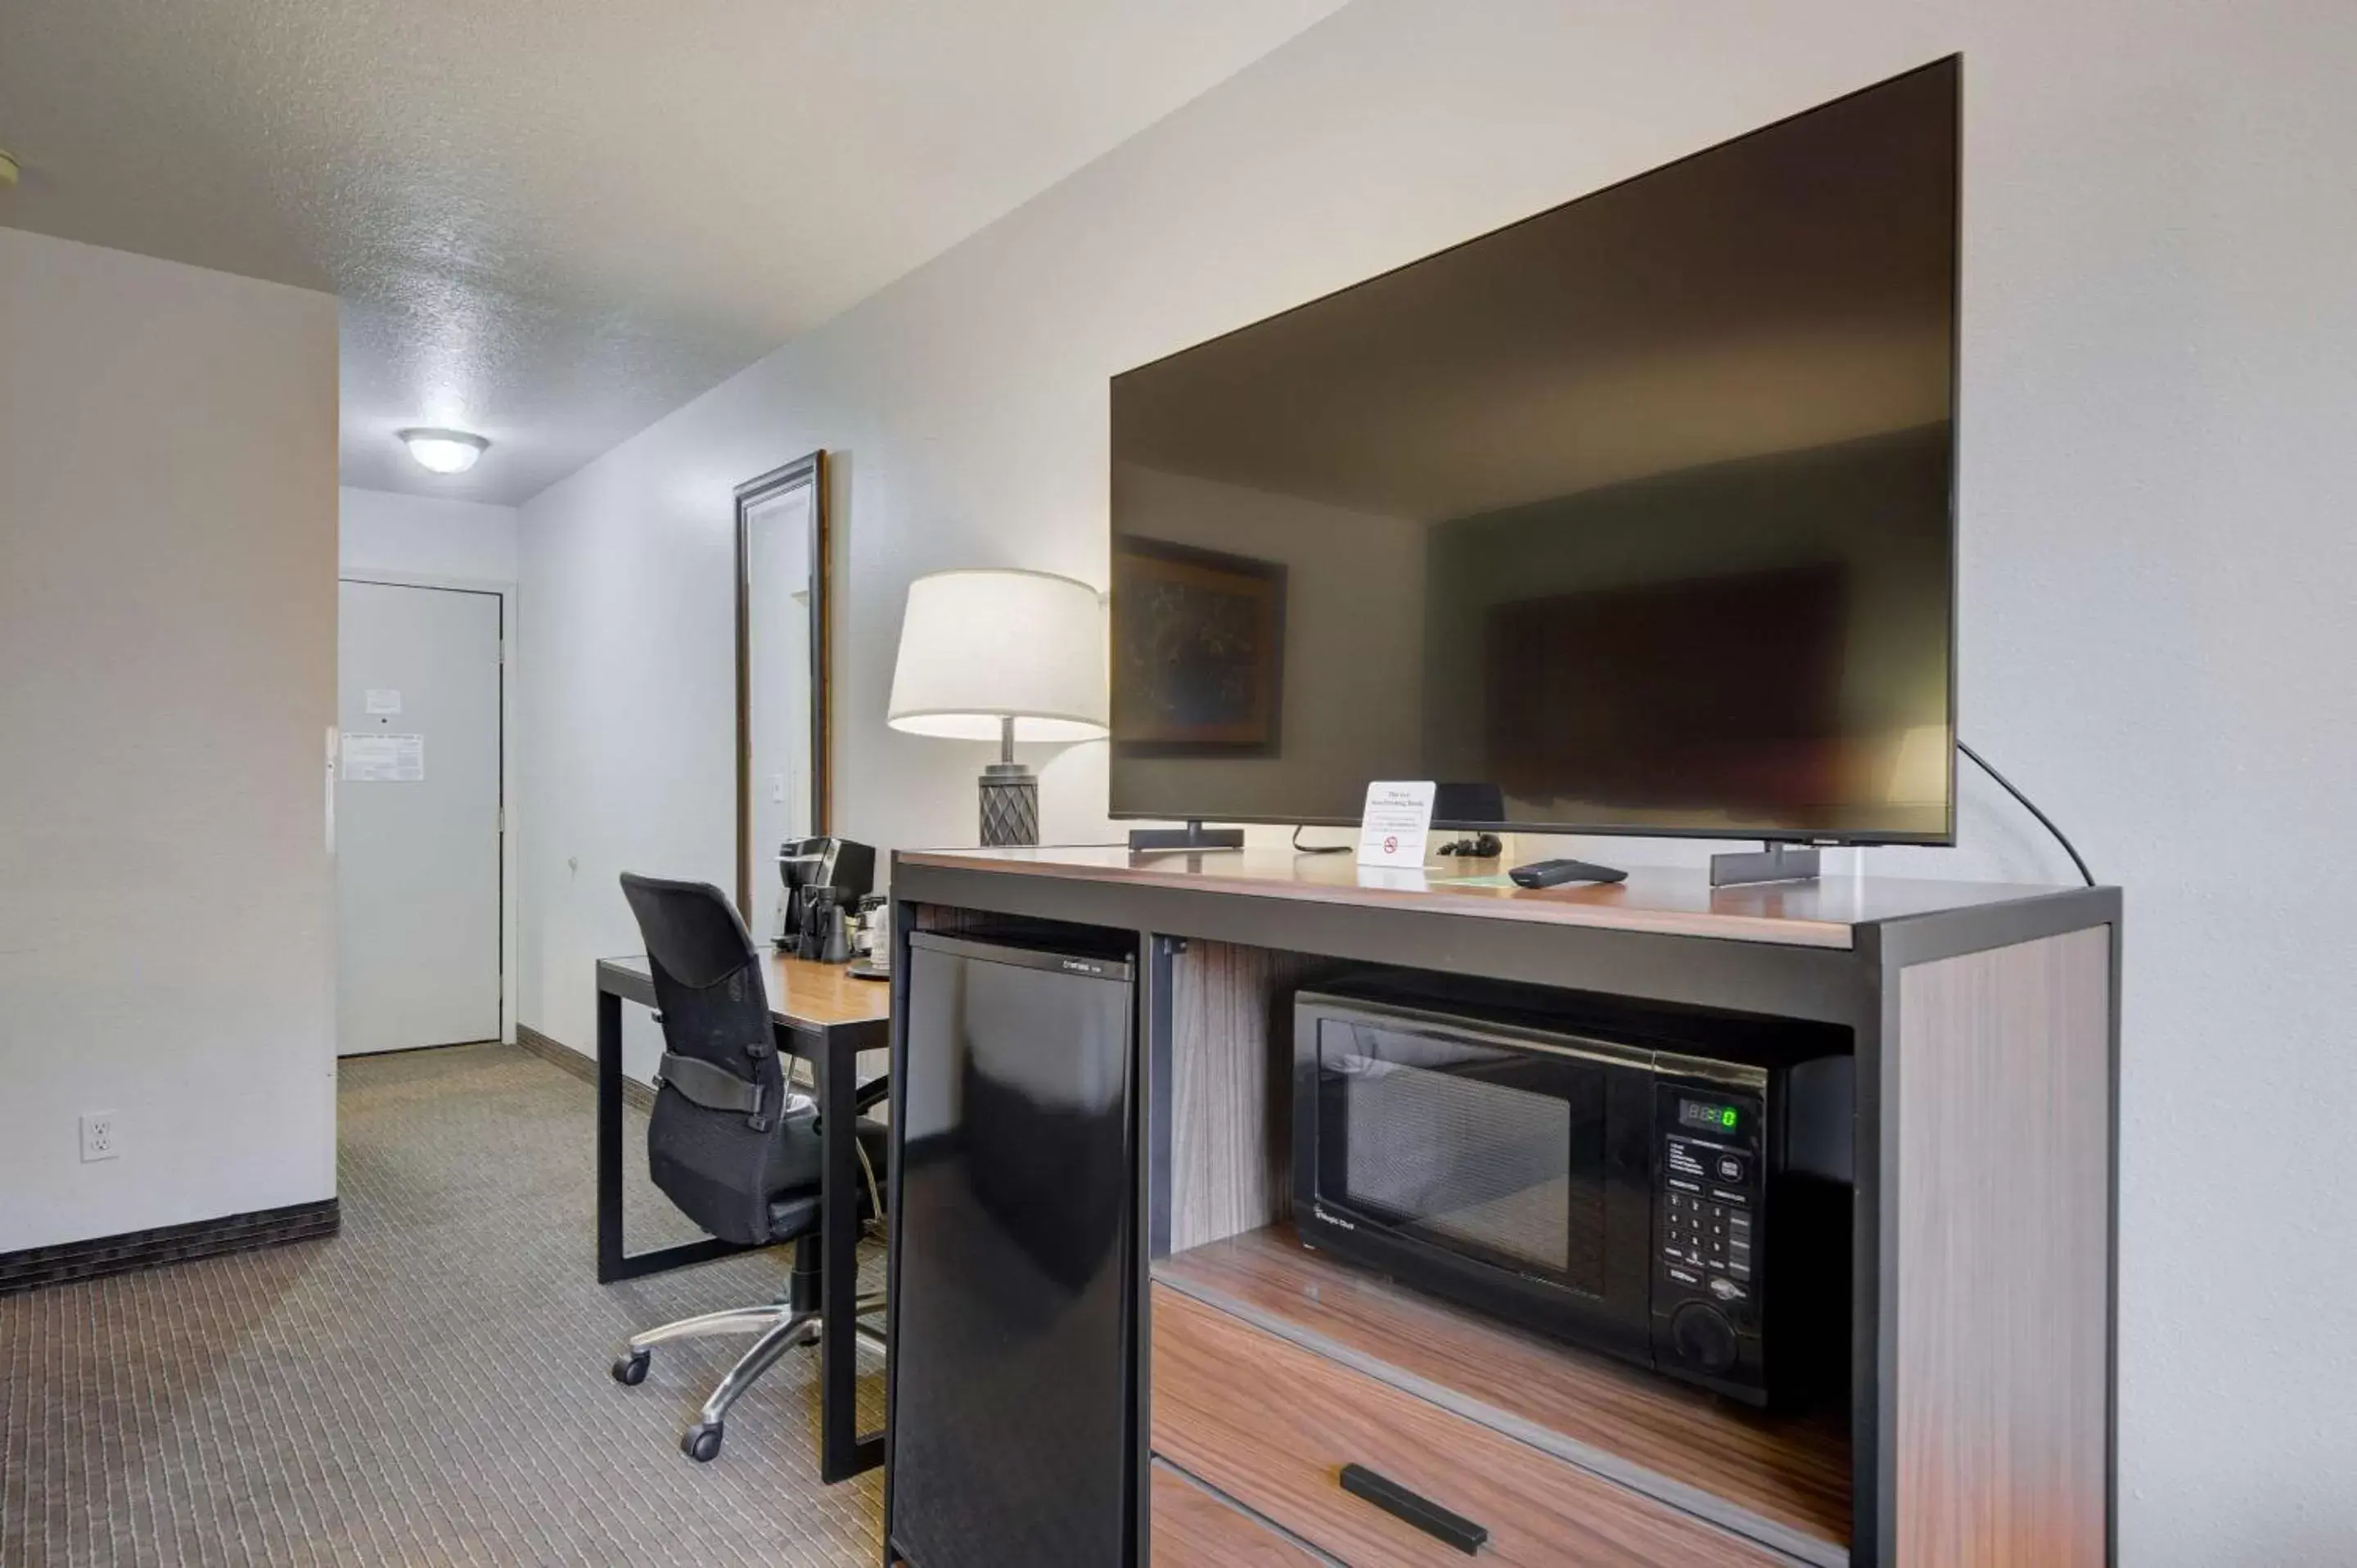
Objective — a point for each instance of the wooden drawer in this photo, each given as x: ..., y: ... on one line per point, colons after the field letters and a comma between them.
x: 1272, y: 1425
x: 1192, y: 1529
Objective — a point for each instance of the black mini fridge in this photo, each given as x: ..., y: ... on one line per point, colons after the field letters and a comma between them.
x: 1013, y: 1260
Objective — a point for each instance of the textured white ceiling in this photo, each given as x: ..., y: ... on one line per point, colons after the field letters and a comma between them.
x: 552, y: 221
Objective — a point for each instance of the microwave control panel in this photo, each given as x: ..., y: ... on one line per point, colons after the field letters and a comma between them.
x: 1708, y: 1182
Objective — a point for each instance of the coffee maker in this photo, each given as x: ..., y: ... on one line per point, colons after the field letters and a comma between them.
x: 824, y: 878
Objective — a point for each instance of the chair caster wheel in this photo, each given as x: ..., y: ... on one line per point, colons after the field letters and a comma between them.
x: 701, y: 1442
x: 630, y: 1368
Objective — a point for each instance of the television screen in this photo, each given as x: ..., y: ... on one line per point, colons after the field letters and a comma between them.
x: 1635, y: 516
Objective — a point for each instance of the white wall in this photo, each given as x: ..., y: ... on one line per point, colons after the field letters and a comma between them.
x: 2159, y: 358
x: 168, y: 634
x: 403, y: 536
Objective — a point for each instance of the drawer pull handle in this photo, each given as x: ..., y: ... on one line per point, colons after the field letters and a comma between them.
x: 1422, y: 1512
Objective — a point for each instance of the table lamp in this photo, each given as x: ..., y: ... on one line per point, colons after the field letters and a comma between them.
x: 1008, y: 655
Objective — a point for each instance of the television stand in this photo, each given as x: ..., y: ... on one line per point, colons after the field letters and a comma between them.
x: 1773, y: 863
x: 1193, y: 836
x: 1980, y: 1025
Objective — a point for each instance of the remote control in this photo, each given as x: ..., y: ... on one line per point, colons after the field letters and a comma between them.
x: 1555, y: 872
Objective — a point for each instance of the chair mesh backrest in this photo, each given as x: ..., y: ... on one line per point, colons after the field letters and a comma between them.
x: 717, y: 1166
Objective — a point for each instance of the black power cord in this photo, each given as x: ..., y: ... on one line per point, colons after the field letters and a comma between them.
x: 2048, y: 823
x: 1301, y: 848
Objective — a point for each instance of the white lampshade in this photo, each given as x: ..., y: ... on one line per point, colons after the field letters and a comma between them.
x: 977, y: 647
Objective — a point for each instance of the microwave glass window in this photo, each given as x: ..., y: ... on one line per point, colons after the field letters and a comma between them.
x: 1497, y: 1154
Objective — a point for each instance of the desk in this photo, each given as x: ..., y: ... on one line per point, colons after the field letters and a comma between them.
x: 824, y: 1017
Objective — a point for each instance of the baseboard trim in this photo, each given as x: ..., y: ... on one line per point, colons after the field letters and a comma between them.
x: 37, y: 1266
x: 557, y: 1053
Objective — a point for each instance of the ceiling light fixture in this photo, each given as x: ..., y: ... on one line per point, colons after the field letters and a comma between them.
x: 444, y: 451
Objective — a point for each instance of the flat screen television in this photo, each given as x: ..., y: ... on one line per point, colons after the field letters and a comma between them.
x: 1634, y: 516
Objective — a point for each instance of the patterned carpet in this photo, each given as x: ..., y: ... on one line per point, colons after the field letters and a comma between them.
x: 429, y: 1387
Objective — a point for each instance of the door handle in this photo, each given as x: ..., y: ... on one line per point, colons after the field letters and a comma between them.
x: 1427, y: 1516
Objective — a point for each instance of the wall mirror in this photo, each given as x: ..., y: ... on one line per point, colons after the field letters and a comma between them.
x: 782, y: 676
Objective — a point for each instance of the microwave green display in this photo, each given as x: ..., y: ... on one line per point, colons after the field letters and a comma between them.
x: 1707, y: 1116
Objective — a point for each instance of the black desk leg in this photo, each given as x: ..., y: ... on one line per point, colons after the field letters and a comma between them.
x: 842, y: 1452
x: 609, y: 1137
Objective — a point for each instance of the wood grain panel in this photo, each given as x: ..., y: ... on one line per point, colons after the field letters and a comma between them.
x: 1193, y: 1529
x: 1680, y: 902
x: 1792, y: 1472
x: 1230, y: 1112
x: 1272, y: 1425
x: 803, y: 991
x: 2002, y: 1233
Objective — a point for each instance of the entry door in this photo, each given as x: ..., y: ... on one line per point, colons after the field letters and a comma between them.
x: 418, y: 818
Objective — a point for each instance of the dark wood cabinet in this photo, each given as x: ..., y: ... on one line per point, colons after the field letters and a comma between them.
x: 1778, y: 1478
x: 1193, y: 1527
x: 1275, y: 1424
x: 1977, y: 1425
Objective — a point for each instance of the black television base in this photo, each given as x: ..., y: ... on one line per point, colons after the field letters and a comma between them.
x: 1194, y: 835
x: 1776, y: 862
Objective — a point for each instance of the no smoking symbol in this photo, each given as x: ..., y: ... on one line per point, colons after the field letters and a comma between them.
x: 1391, y: 843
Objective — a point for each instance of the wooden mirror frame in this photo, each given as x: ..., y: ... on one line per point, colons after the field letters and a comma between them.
x: 810, y: 471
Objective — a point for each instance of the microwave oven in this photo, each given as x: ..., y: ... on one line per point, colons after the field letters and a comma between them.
x: 1678, y: 1207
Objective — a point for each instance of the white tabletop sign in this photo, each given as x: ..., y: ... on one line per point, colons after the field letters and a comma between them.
x: 1398, y: 818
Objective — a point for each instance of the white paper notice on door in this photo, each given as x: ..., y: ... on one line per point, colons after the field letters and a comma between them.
x: 383, y: 699
x: 384, y: 759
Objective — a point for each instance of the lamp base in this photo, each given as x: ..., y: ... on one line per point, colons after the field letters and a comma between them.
x: 1010, y: 805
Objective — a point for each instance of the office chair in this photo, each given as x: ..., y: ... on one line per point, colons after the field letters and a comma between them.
x: 732, y: 1142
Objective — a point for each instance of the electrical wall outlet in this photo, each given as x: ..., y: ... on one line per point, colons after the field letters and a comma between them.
x: 98, y: 1136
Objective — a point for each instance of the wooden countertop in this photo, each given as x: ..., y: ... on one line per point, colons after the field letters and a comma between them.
x: 805, y: 992
x: 1682, y: 902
